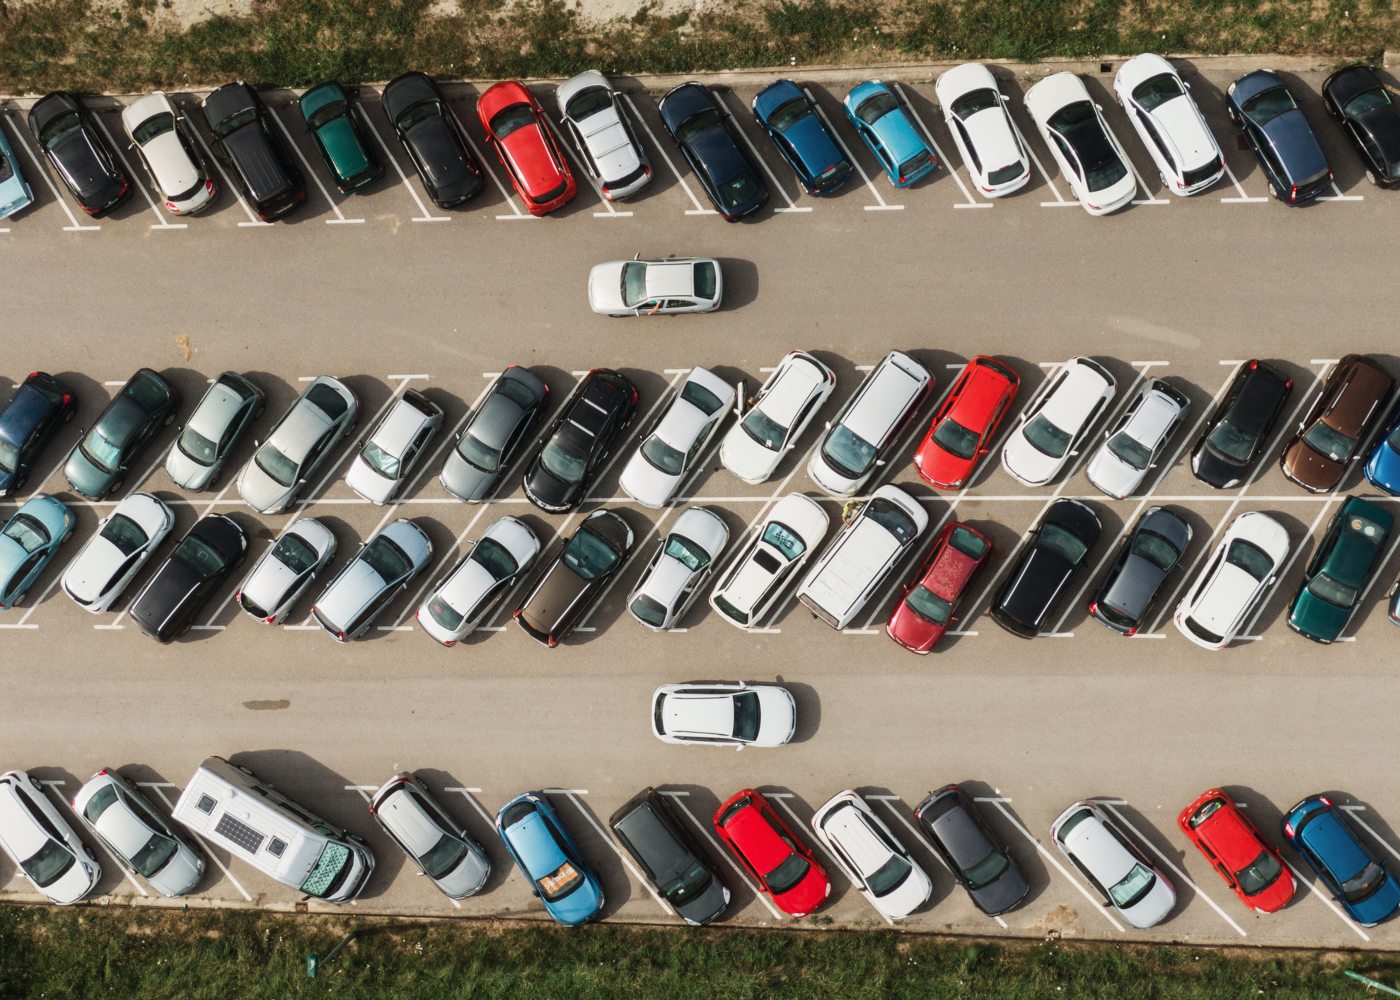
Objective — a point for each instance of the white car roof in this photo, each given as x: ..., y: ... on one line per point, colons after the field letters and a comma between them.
x: 214, y: 411
x: 1097, y: 849
x: 399, y: 426
x: 892, y: 386
x: 791, y: 384
x: 1076, y: 397
x: 175, y: 172
x: 299, y: 430
x: 848, y: 825
x: 411, y: 824
x: 748, y: 583
x: 710, y: 714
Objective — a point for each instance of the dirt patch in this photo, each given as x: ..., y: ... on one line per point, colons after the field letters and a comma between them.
x: 1059, y: 922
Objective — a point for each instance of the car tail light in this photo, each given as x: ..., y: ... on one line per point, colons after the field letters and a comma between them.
x: 1331, y: 176
x: 987, y: 189
x: 340, y: 636
x: 1092, y: 205
x: 1131, y: 631
x: 103, y: 772
x: 1324, y: 800
x: 604, y: 189
x: 450, y: 642
x: 1253, y: 365
x: 67, y: 398
x: 269, y: 620
x: 32, y: 374
x: 1181, y: 185
x: 209, y: 187
x: 1093, y: 607
x: 172, y: 206
x: 1293, y: 193
x: 89, y: 211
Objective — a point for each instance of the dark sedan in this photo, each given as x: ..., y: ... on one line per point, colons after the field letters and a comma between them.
x: 79, y: 152
x: 1341, y: 570
x: 209, y: 552
x: 1282, y: 140
x: 791, y: 121
x: 27, y: 423
x: 1144, y: 561
x: 494, y: 433
x: 966, y: 845
x: 253, y: 151
x: 1229, y: 448
x: 666, y: 851
x: 711, y: 145
x: 572, y: 583
x: 1370, y: 118
x: 579, y: 440
x: 98, y: 463
x: 1051, y: 557
x: 433, y: 139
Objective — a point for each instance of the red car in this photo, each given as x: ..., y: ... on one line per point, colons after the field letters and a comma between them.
x: 516, y: 128
x: 964, y: 426
x: 932, y: 593
x: 1231, y: 843
x: 773, y: 854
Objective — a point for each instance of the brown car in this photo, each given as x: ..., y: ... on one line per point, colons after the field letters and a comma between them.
x: 575, y: 580
x: 1352, y: 399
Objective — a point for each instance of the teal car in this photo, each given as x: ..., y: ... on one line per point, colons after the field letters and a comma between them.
x: 28, y: 543
x: 340, y: 137
x: 14, y: 190
x: 1337, y: 575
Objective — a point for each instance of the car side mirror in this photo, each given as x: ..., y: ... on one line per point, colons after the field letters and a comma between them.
x: 1074, y: 454
x: 637, y: 255
x: 739, y: 748
x: 879, y: 462
x: 828, y: 425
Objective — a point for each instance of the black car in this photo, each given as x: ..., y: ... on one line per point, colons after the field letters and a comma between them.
x: 209, y: 552
x: 1049, y: 560
x: 978, y: 860
x: 79, y: 152
x: 98, y: 463
x: 575, y: 579
x: 1275, y: 128
x: 579, y: 440
x: 1370, y: 117
x: 662, y: 847
x: 433, y: 138
x: 253, y: 151
x: 710, y: 142
x: 1145, y: 559
x: 27, y: 422
x: 1233, y: 440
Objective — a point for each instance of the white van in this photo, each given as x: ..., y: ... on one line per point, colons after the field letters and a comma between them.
x: 229, y: 806
x: 857, y: 563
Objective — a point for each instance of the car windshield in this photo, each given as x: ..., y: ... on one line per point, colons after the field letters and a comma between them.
x: 102, y: 450
x: 968, y: 542
x: 788, y: 874
x: 875, y: 107
x: 648, y: 610
x: 1156, y: 550
x: 687, y: 553
x: 784, y: 539
x: 63, y: 123
x: 293, y: 552
x: 1259, y: 874
x: 764, y: 429
x: 1231, y: 442
x: 746, y: 716
x: 955, y: 439
x: 387, y: 559
x: 1250, y: 558
x: 987, y: 870
x: 328, y: 114
x: 1366, y: 102
x: 739, y: 189
x: 154, y: 854
x: 690, y: 884
x: 974, y: 101
x: 496, y: 558
x: 9, y: 456
x: 1329, y: 441
x: 634, y: 283
x: 334, y: 857
x: 197, y: 447
x: 443, y: 856
x: 692, y: 127
x: 588, y: 555
x: 508, y: 120
x: 1157, y: 90
x: 851, y: 454
x: 889, y: 876
x: 893, y: 518
x: 563, y: 461
x: 662, y: 456
x: 234, y: 122
x: 1133, y: 886
x: 199, y: 554
x: 124, y: 533
x: 49, y: 864
x: 929, y: 606
x: 153, y: 126
x: 701, y: 398
x: 381, y: 461
x: 1331, y: 591
x: 101, y: 800
x: 1064, y: 544
x: 29, y: 533
x: 477, y: 454
x: 1130, y: 450
x: 1046, y: 438
x: 789, y: 114
x: 560, y: 882
x: 704, y: 276
x: 281, y: 469
x: 1079, y: 126
x: 1364, y: 883
x: 588, y: 101
x: 1265, y: 107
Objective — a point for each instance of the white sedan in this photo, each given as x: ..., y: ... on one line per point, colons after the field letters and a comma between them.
x: 684, y: 560
x: 1051, y: 428
x: 1135, y: 442
x: 667, y: 455
x: 877, y: 864
x: 158, y: 131
x: 1088, y: 155
x: 107, y: 563
x: 1169, y: 124
x: 395, y: 448
x: 1241, y: 572
x: 655, y: 287
x: 728, y: 715
x: 775, y: 551
x: 285, y: 571
x: 462, y: 600
x: 976, y: 113
x: 783, y: 407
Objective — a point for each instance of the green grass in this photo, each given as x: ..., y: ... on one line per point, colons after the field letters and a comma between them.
x: 126, y: 953
x: 80, y: 45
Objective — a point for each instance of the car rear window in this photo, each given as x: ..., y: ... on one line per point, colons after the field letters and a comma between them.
x: 705, y: 280
x: 588, y: 101
x: 511, y: 119
x: 968, y: 542
x: 1200, y: 174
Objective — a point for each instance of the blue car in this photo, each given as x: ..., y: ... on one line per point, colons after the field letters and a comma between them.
x: 876, y: 114
x: 14, y: 191
x: 792, y: 122
x: 1275, y: 128
x: 28, y: 542
x: 547, y: 856
x: 38, y: 408
x: 1383, y: 464
x: 1354, y: 876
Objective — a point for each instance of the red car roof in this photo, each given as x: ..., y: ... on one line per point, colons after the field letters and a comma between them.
x: 981, y: 389
x: 1233, y: 839
x: 536, y: 163
x: 752, y: 831
x: 946, y: 576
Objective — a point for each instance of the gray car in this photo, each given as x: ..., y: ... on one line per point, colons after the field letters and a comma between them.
x: 139, y: 837
x: 286, y: 570
x: 966, y: 845
x: 437, y: 845
x: 1145, y: 560
x: 278, y: 471
x: 492, y: 437
x: 385, y: 564
x: 228, y: 409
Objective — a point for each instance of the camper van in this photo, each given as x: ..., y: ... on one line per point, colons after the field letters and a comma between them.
x: 229, y: 806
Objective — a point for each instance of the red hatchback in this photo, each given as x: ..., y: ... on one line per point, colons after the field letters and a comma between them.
x: 516, y: 128
x: 773, y: 854
x: 1231, y: 843
x: 964, y: 426
x: 931, y: 595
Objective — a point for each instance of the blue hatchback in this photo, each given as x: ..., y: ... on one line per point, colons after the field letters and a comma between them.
x: 1383, y: 464
x: 14, y: 190
x: 28, y: 542
x: 28, y: 421
x: 877, y: 115
x: 792, y: 122
x: 1354, y: 876
x: 547, y: 856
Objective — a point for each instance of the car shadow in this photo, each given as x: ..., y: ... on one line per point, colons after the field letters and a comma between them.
x: 1268, y: 820
x: 809, y: 709
x: 588, y: 832
x: 1159, y: 847
x: 741, y: 282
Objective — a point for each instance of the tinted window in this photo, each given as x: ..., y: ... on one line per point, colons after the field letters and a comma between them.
x: 967, y: 542
x: 386, y: 558
x: 701, y: 398
x: 978, y: 100
x: 1250, y: 558
x: 1265, y: 107
x: 956, y: 439
x: 875, y: 107
x: 691, y: 129
x: 588, y: 102
x: 515, y: 117
x: 293, y: 552
x: 495, y: 557
x: 784, y: 539
x: 29, y: 533
x: 1046, y: 438
x: 154, y: 126
x: 199, y: 554
x: 1068, y: 546
x: 1157, y: 90
x: 1156, y: 550
x: 789, y: 113
x: 588, y: 555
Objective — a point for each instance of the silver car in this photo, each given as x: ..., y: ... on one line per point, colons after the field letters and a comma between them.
x: 1124, y: 877
x: 382, y: 568
x: 278, y: 471
x: 441, y: 849
x: 655, y: 287
x: 464, y: 598
x: 228, y: 409
x: 111, y: 559
x: 674, y: 446
x: 1135, y: 442
x: 610, y: 151
x: 733, y: 714
x: 493, y: 435
x: 138, y: 836
x: 41, y: 843
x: 284, y: 572
x: 684, y: 560
x: 395, y: 448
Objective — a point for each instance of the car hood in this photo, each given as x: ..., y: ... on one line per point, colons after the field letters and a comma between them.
x: 1312, y: 467
x: 87, y: 478
x: 1004, y: 893
x: 1215, y: 470
x: 550, y: 491
x: 1153, y: 908
x: 186, y: 472
x: 1024, y: 461
x: 180, y: 875
x: 1294, y: 138
x: 87, y: 577
x: 1030, y: 592
x: 368, y: 483
x: 1316, y: 618
x: 605, y: 287
x: 465, y: 480
x: 745, y: 457
x: 1113, y: 475
x: 260, y: 491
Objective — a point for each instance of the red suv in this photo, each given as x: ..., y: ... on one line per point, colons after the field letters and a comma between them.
x: 1231, y: 843
x: 931, y: 596
x: 772, y: 853
x: 964, y: 426
x: 516, y: 128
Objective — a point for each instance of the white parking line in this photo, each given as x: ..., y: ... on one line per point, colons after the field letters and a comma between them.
x: 161, y: 221
x: 1243, y: 197
x: 425, y: 215
x: 1338, y: 196
x: 698, y: 209
x: 1300, y: 879
x: 621, y: 856
x: 1059, y: 201
x: 883, y: 205
x: 340, y: 218
x: 583, y: 171
x: 762, y: 896
x: 792, y: 206
x: 928, y: 134
x: 470, y: 795
x: 73, y: 225
x: 160, y: 790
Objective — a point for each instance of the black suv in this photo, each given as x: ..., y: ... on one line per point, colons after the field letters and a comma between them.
x: 668, y: 855
x: 254, y: 153
x: 1233, y: 440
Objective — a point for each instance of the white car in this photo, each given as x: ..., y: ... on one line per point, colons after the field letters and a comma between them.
x: 684, y: 560
x: 278, y: 471
x: 783, y: 406
x: 138, y: 836
x: 435, y: 842
x: 594, y: 120
x: 680, y: 437
x: 1088, y: 155
x: 111, y: 559
x: 723, y: 715
x: 159, y: 132
x: 41, y: 843
x: 1050, y: 429
x: 871, y: 856
x: 1135, y: 442
x: 395, y: 448
x: 1240, y: 574
x: 775, y: 551
x: 655, y: 287
x: 867, y: 425
x: 1169, y: 124
x: 976, y: 113
x: 462, y: 600
x: 1124, y: 877
x: 282, y: 575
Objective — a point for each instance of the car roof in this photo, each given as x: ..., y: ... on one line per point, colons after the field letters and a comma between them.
x: 21, y: 832
x: 882, y: 399
x: 756, y: 837
x: 708, y: 714
x: 399, y: 426
x: 795, y: 380
x: 1099, y: 851
x: 402, y: 810
x: 1333, y: 843
x: 670, y: 278
x: 1230, y: 838
x: 960, y: 834
x: 533, y: 839
x: 849, y: 825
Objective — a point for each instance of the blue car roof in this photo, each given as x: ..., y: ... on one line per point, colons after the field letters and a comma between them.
x: 25, y: 410
x: 1334, y: 844
x: 895, y: 131
x: 774, y: 96
x: 532, y: 841
x: 1293, y: 137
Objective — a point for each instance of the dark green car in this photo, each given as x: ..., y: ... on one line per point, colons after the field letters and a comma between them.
x: 99, y: 462
x: 340, y: 137
x: 1349, y: 555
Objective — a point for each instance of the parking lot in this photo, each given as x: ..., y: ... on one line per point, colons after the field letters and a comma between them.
x: 388, y: 292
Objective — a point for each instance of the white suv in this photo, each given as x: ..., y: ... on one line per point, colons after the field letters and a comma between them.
x: 868, y: 424
x: 1113, y: 864
x: 41, y: 842
x: 773, y: 553
x: 1050, y: 430
x: 876, y: 863
x: 1169, y: 124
